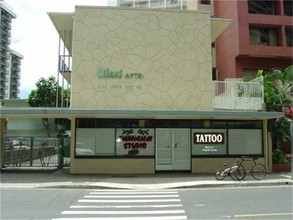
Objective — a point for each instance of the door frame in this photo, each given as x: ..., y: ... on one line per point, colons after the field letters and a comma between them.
x: 171, y: 167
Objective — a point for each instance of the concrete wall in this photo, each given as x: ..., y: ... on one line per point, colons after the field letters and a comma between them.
x: 157, y: 59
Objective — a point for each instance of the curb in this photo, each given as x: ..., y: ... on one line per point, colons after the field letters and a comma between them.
x: 159, y: 186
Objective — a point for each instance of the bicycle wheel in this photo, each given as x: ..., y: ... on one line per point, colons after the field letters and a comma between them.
x: 240, y: 173
x: 258, y: 171
x: 220, y: 175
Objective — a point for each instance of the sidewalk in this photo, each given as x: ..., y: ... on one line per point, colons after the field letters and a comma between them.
x: 63, y: 179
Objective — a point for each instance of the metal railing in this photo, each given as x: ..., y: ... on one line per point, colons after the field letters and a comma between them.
x: 238, y: 95
x: 34, y: 152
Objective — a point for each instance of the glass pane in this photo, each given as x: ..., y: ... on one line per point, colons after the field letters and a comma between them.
x: 289, y: 33
x: 135, y: 142
x: 105, y: 142
x: 85, y: 142
x: 245, y: 142
x: 262, y: 7
x: 209, y: 142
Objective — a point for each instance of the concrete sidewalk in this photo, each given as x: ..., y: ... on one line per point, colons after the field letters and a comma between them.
x: 63, y: 179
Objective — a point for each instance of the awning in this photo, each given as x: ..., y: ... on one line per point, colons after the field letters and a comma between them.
x: 148, y: 114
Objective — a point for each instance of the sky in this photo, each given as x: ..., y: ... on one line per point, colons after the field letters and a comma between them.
x: 34, y: 36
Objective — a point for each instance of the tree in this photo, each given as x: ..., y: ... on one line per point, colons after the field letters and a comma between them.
x: 278, y: 89
x: 278, y: 95
x: 45, y: 95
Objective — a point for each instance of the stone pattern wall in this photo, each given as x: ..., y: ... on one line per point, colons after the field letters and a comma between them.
x: 141, y: 59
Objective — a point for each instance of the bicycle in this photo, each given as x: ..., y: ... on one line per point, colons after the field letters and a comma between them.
x: 258, y: 170
x: 235, y: 171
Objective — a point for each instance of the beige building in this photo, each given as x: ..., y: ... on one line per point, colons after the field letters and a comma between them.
x: 142, y: 93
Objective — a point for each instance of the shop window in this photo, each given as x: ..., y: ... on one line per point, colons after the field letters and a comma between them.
x: 228, y: 138
x: 173, y: 124
x: 244, y: 124
x: 288, y: 7
x: 263, y: 36
x: 262, y: 7
x: 208, y: 142
x: 95, y: 142
x: 245, y: 142
x: 135, y: 142
x: 289, y: 33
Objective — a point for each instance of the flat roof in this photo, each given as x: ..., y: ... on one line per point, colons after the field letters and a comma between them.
x: 63, y: 22
x: 150, y: 114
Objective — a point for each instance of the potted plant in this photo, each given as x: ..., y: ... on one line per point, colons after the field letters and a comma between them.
x: 280, y: 162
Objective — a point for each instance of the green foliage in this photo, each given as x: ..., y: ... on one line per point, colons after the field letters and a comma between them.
x: 278, y: 89
x: 279, y: 157
x: 278, y: 94
x: 45, y: 94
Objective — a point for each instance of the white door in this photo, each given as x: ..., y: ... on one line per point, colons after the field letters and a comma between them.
x: 172, y: 149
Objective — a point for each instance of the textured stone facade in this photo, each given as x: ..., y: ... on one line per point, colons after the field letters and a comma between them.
x: 141, y: 59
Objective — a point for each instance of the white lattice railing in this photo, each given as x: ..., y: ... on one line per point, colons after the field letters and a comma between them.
x: 238, y: 95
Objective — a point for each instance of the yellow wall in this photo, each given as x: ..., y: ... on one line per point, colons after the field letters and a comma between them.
x: 112, y: 166
x: 170, y: 50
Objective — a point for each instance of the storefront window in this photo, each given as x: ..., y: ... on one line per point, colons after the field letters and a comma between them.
x: 245, y: 142
x: 95, y: 142
x: 135, y: 142
x: 236, y: 138
x: 209, y: 142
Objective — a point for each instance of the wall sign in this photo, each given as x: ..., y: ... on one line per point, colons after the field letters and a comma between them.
x: 117, y: 74
x: 134, y: 142
x: 208, y: 138
x: 209, y: 142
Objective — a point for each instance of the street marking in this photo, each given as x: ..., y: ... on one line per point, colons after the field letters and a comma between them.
x: 198, y: 205
x: 132, y: 196
x: 111, y: 212
x: 130, y: 192
x: 129, y: 200
x: 129, y: 218
x: 263, y: 214
x: 123, y: 206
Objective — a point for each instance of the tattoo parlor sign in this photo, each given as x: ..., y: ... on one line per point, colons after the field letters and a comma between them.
x: 134, y: 142
x: 209, y: 138
x: 208, y: 142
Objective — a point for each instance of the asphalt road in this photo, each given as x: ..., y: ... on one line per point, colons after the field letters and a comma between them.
x: 274, y: 202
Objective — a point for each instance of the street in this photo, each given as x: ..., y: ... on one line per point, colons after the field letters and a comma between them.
x: 271, y: 202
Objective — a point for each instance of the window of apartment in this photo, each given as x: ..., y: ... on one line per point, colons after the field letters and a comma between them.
x: 289, y: 33
x: 263, y: 36
x: 205, y: 2
x: 158, y: 4
x: 288, y: 7
x: 262, y: 7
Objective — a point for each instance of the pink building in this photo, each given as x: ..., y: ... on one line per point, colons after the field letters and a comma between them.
x: 260, y: 36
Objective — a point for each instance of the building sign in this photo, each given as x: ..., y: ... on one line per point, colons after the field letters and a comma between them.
x: 209, y: 138
x: 117, y: 74
x: 135, y: 142
x: 209, y: 142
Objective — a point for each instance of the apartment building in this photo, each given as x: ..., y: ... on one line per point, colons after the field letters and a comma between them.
x: 13, y: 76
x: 260, y: 36
x: 9, y: 60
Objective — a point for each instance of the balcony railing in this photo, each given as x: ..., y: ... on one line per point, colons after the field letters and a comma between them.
x: 238, y: 95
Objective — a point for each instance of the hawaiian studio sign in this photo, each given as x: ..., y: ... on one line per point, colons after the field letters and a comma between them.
x: 106, y: 73
x: 209, y: 138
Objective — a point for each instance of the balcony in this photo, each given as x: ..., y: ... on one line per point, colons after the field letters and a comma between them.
x: 65, y: 66
x: 235, y: 94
